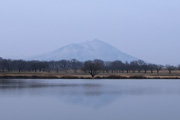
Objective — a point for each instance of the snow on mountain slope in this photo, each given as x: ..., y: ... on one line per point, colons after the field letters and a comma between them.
x: 95, y: 49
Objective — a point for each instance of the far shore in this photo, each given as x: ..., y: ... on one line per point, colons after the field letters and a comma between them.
x: 39, y: 75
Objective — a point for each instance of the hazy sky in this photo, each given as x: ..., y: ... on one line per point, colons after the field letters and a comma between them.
x: 147, y: 29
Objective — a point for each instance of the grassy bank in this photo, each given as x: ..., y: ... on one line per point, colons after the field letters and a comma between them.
x: 82, y: 75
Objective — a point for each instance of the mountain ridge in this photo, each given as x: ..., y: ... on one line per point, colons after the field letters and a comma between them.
x: 89, y: 50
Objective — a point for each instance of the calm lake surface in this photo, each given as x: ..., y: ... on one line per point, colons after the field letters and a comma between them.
x: 89, y: 99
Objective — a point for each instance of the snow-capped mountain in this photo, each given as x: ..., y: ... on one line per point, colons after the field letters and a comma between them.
x: 90, y: 50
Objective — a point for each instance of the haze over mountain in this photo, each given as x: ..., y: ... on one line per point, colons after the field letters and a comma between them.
x: 95, y: 49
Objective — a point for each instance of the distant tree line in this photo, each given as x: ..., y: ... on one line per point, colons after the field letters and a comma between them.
x: 92, y: 67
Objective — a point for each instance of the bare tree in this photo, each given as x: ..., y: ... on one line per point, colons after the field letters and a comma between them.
x: 43, y: 66
x: 20, y: 64
x: 4, y: 64
x: 127, y: 67
x: 134, y: 66
x: 170, y: 68
x: 93, y: 67
x: 158, y: 68
x: 140, y: 65
x: 75, y: 65
x: 117, y: 66
x: 145, y: 67
x: 63, y: 65
x: 55, y: 65
x: 107, y: 66
x: 178, y: 67
x: 152, y: 67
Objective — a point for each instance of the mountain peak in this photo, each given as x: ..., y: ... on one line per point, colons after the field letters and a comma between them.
x: 93, y: 41
x: 97, y: 40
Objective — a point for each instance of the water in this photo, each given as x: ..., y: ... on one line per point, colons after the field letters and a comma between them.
x: 89, y: 99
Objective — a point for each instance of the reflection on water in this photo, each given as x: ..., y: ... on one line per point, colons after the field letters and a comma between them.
x: 91, y: 99
x: 17, y: 84
x: 90, y: 87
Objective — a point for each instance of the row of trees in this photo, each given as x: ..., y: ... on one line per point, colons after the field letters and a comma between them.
x: 91, y: 67
x: 41, y: 66
x: 94, y: 67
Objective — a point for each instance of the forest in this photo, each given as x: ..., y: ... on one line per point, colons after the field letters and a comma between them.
x: 92, y: 67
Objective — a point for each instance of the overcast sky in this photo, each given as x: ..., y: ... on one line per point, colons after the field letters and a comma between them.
x: 147, y: 29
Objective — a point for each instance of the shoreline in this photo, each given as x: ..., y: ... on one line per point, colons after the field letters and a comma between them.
x: 85, y: 77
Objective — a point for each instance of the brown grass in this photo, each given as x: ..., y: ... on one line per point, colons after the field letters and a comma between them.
x: 138, y: 77
x: 81, y: 75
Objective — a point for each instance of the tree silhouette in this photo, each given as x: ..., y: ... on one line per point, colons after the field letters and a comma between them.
x: 93, y: 67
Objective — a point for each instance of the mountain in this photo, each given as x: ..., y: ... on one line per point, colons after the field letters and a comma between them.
x: 95, y: 49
